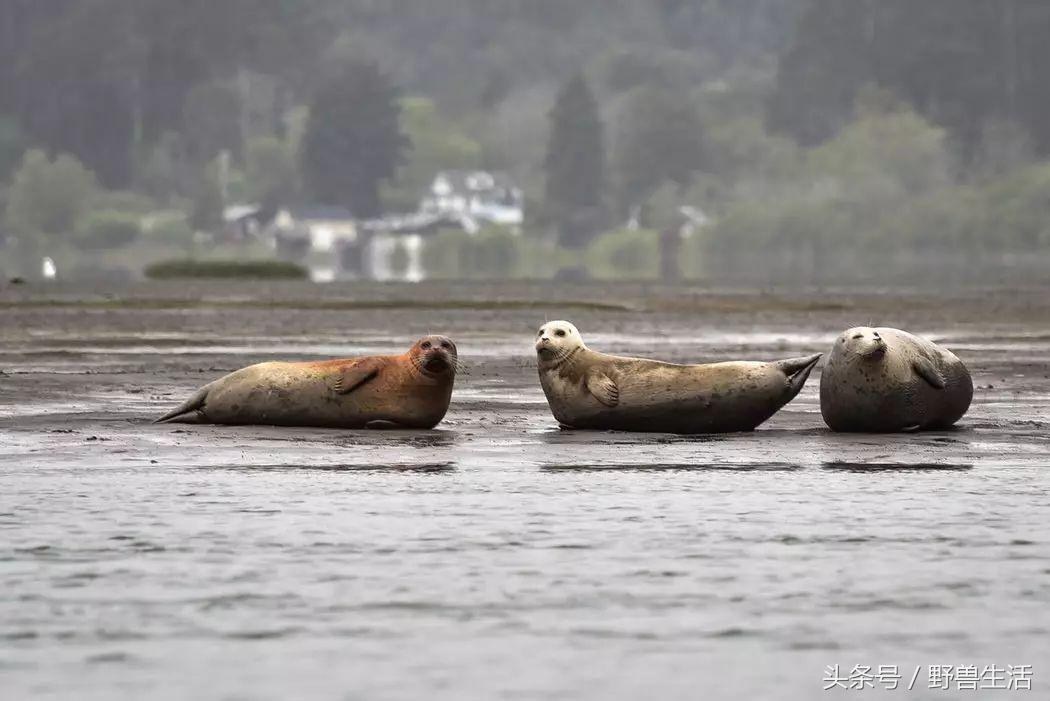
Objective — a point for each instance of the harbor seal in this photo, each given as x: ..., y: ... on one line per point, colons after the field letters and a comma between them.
x: 884, y: 380
x: 587, y: 389
x: 411, y: 390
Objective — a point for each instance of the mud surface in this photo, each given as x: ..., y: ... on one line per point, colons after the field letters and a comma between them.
x: 498, y: 556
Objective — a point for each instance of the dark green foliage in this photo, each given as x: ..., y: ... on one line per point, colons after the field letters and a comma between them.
x: 961, y: 63
x: 254, y: 269
x: 207, y: 213
x: 466, y: 53
x: 625, y: 70
x: 270, y: 171
x: 625, y: 255
x: 212, y: 111
x: 48, y: 195
x: 107, y: 229
x: 660, y: 138
x: 492, y: 254
x: 106, y: 80
x: 353, y: 139
x: 904, y: 128
x: 92, y: 76
x: 575, y: 164
x: 172, y: 232
x: 1018, y: 210
x: 821, y: 72
x: 437, y: 144
x: 12, y: 146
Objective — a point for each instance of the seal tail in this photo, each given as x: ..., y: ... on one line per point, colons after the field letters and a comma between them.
x: 192, y: 404
x: 798, y: 370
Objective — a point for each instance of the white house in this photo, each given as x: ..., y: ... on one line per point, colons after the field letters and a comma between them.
x: 475, y: 197
x: 323, y: 227
x: 318, y: 236
x: 382, y: 250
x: 333, y: 244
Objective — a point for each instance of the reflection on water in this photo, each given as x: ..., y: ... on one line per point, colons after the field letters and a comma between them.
x: 893, y: 466
x: 674, y: 467
x: 379, y: 468
x: 434, y: 438
x: 562, y: 435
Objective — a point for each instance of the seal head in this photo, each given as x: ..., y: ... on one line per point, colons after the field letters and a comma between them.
x: 556, y: 341
x: 863, y: 342
x: 434, y: 356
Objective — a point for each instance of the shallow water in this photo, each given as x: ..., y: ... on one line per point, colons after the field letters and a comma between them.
x: 499, y: 557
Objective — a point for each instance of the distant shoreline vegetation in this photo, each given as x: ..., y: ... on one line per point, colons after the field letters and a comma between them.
x: 251, y: 269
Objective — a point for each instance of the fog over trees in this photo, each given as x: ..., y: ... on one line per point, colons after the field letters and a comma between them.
x: 811, y: 136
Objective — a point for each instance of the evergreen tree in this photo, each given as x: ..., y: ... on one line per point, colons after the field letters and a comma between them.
x: 960, y: 63
x: 207, y: 211
x: 212, y: 114
x: 48, y: 196
x: 353, y: 138
x: 660, y: 139
x: 819, y: 75
x: 575, y: 163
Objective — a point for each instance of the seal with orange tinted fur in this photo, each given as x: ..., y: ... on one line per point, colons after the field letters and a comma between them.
x: 411, y: 390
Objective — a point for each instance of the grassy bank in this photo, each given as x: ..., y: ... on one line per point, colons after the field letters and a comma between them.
x: 225, y: 269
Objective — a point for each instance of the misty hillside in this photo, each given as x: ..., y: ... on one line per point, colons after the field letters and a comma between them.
x: 810, y: 127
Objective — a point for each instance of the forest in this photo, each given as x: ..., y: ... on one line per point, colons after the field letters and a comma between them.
x: 819, y: 138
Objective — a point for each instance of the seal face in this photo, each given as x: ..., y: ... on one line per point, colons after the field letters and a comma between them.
x: 411, y: 390
x: 886, y: 380
x: 586, y: 389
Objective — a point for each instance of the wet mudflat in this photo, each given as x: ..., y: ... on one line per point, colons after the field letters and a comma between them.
x: 498, y: 556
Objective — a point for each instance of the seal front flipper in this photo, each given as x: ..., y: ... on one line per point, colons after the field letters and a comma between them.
x: 352, y: 376
x: 602, y: 387
x: 924, y: 369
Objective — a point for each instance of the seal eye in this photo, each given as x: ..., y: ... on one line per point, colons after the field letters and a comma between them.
x: 444, y: 344
x: 426, y: 344
x: 858, y: 335
x: 559, y: 332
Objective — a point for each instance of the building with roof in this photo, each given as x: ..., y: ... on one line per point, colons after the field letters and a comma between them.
x: 477, y: 197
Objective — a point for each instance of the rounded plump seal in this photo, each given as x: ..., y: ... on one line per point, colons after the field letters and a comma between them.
x: 885, y: 380
x: 411, y: 390
x: 586, y: 389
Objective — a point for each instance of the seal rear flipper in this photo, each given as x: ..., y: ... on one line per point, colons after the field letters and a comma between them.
x: 603, y: 388
x: 354, y: 375
x: 194, y: 403
x: 798, y: 370
x: 925, y: 369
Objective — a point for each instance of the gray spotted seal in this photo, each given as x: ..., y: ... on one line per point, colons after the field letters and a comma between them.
x: 411, y: 390
x: 885, y: 380
x: 587, y: 389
